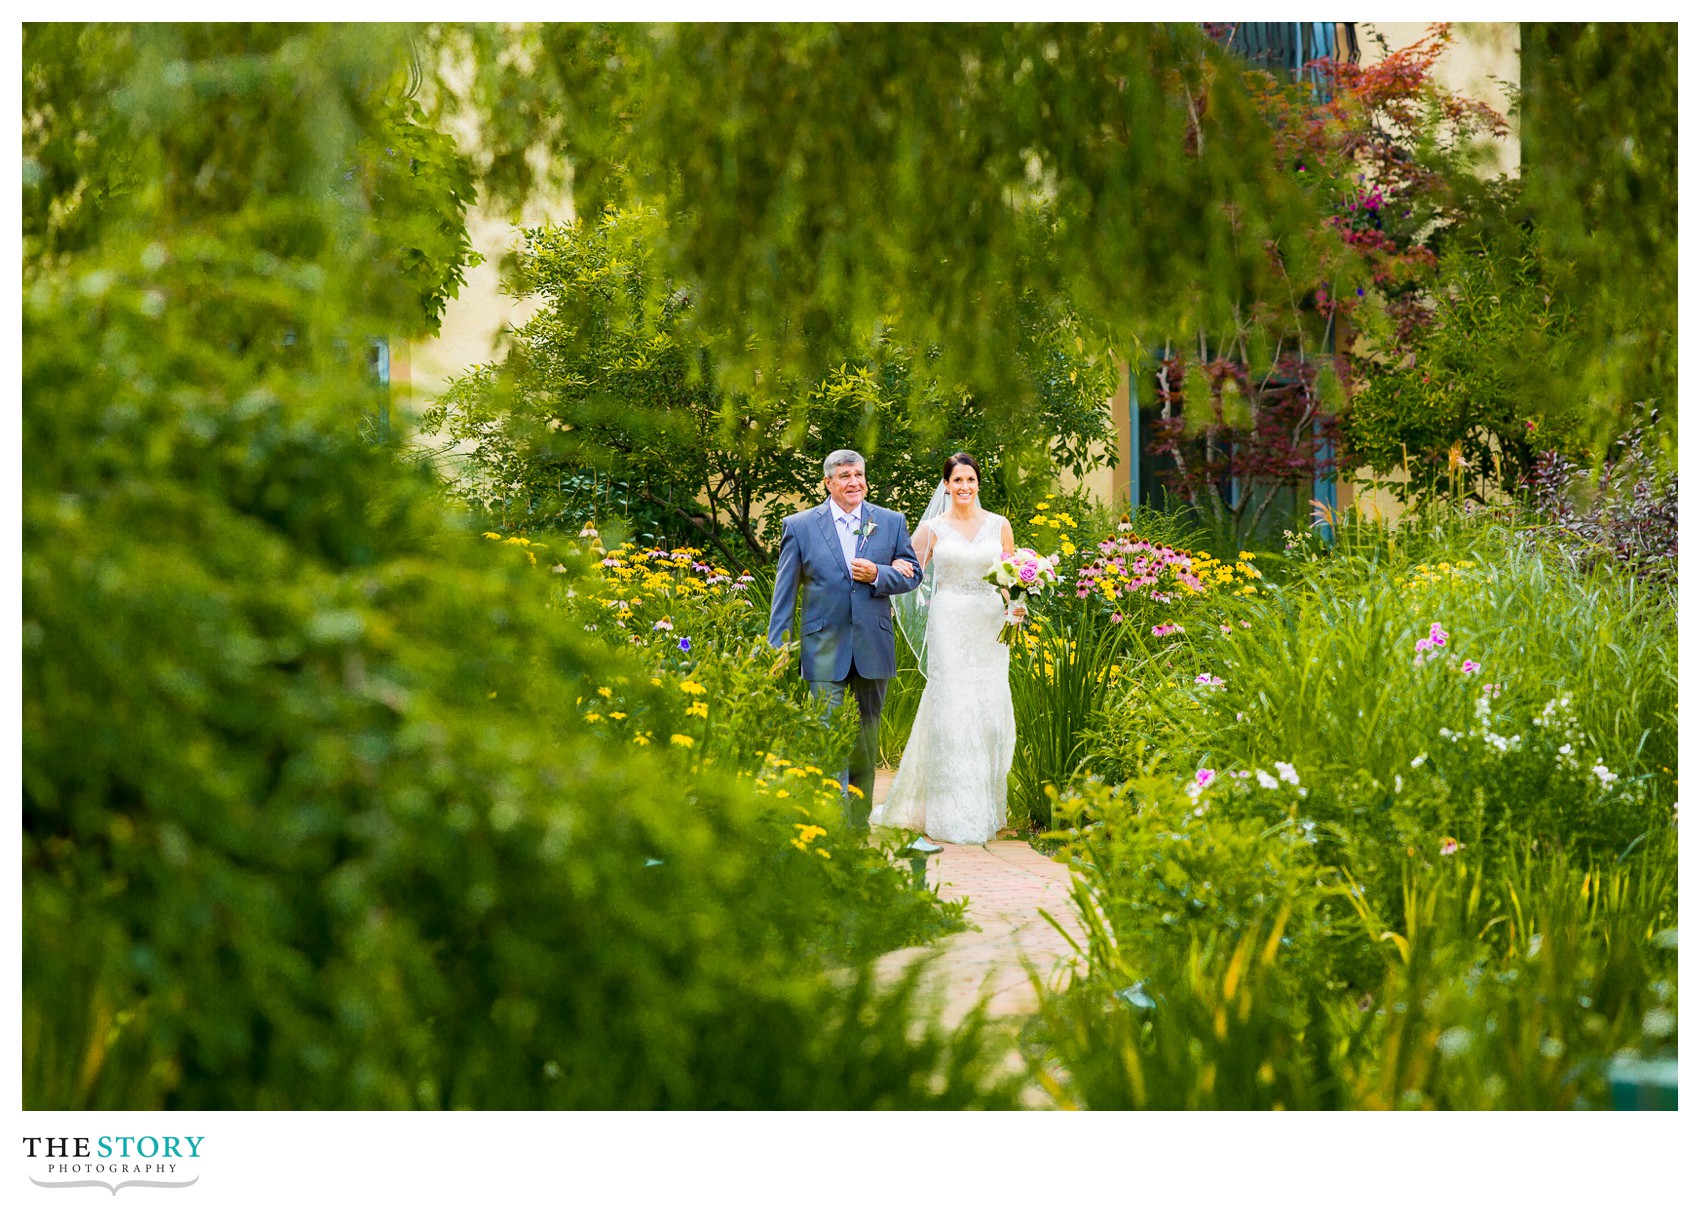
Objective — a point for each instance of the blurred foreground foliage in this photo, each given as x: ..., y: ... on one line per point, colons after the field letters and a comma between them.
x: 1598, y: 116
x: 825, y: 179
x: 310, y: 815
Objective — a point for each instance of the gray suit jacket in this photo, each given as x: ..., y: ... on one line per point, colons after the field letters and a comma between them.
x: 842, y: 618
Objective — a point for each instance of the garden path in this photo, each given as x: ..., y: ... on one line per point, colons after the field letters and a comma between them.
x: 1007, y: 883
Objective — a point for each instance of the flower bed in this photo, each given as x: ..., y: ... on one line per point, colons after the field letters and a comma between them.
x: 1397, y: 831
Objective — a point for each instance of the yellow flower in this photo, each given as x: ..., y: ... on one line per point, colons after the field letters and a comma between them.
x: 616, y: 715
x: 683, y: 741
x: 491, y: 534
x: 605, y: 692
x: 693, y: 687
x: 808, y: 833
x: 655, y: 681
x: 857, y: 792
x: 823, y: 853
x: 697, y: 709
x: 780, y: 794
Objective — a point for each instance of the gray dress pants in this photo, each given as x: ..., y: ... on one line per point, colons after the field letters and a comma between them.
x: 870, y: 698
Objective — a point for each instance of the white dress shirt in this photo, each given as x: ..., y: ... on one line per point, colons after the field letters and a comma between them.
x: 846, y: 523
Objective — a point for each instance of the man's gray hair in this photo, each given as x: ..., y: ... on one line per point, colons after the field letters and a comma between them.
x: 840, y: 458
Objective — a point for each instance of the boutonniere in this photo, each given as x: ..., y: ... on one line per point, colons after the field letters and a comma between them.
x: 867, y: 528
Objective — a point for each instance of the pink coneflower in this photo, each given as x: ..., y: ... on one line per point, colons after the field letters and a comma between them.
x: 1450, y: 845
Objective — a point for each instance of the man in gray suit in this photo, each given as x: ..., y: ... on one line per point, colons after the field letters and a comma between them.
x: 845, y: 559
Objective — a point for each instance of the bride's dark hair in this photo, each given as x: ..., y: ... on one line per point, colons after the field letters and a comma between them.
x: 961, y: 459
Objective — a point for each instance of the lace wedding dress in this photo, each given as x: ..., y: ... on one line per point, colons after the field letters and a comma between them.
x: 952, y: 783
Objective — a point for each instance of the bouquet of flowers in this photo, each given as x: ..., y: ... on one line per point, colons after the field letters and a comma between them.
x: 1021, y: 574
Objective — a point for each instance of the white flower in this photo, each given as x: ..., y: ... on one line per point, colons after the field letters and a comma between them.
x: 1265, y: 779
x: 1606, y: 777
x: 1418, y: 760
x: 1287, y: 773
x: 1398, y: 783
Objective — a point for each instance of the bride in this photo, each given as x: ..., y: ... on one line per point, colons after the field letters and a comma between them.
x: 952, y: 783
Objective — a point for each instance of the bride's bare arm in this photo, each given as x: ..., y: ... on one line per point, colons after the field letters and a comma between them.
x: 1020, y: 610
x: 922, y: 541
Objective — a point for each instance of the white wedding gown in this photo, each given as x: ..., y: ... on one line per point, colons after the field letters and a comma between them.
x: 953, y: 781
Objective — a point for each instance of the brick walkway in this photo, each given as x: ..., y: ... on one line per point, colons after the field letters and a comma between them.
x: 1006, y: 882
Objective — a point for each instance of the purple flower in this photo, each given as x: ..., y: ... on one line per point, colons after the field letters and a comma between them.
x: 685, y: 644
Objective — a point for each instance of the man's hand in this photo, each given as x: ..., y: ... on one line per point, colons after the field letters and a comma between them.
x: 865, y: 571
x: 903, y: 566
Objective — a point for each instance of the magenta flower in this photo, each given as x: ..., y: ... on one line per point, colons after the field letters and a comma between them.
x: 1469, y: 667
x: 1204, y: 777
